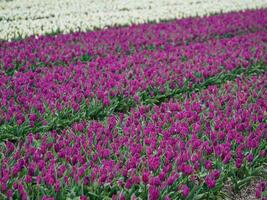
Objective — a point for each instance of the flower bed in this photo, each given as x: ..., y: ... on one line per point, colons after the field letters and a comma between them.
x: 173, y: 110
x: 63, y: 50
x: 180, y: 149
x: 57, y: 96
x: 19, y: 19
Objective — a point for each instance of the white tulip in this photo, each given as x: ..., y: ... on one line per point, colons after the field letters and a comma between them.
x: 22, y: 18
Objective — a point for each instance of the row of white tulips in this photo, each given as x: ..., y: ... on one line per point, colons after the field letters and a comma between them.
x: 22, y: 18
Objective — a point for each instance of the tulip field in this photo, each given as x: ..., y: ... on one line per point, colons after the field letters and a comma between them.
x: 174, y: 109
